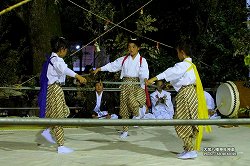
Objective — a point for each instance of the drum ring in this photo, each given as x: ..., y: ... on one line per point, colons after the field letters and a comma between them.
x: 235, y: 97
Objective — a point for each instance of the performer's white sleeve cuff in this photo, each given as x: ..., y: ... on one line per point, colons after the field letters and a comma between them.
x: 160, y: 77
x: 104, y: 68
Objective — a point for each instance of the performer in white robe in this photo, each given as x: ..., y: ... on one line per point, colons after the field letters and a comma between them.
x: 56, y: 107
x: 211, y: 106
x: 162, y: 106
x: 190, y: 99
x: 134, y: 68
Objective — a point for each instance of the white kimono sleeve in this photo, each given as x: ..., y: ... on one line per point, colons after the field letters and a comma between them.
x: 113, y: 66
x: 173, y: 73
x: 169, y: 104
x: 62, y: 68
x: 154, y: 99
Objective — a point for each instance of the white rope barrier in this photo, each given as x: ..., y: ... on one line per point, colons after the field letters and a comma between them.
x: 118, y: 122
x: 115, y: 25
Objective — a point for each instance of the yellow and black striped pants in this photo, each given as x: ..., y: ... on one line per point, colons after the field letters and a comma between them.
x: 132, y: 97
x: 187, y: 108
x: 56, y: 108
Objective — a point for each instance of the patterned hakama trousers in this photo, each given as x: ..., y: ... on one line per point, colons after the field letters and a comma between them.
x: 56, y: 108
x: 187, y: 108
x: 132, y: 97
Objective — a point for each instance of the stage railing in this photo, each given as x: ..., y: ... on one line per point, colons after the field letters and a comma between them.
x: 84, y: 89
x: 118, y: 122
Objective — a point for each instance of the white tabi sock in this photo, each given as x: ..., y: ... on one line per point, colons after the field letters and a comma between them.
x: 64, y: 150
x: 188, y: 155
x: 46, y: 134
x: 181, y: 154
x: 124, y: 135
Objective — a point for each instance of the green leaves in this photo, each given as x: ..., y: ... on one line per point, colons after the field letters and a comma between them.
x: 144, y: 24
x: 247, y: 60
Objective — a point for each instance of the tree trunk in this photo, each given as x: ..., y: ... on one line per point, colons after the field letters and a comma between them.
x: 44, y: 23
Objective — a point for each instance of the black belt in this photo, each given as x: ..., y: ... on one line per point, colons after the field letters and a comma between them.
x: 189, y: 85
x: 58, y: 83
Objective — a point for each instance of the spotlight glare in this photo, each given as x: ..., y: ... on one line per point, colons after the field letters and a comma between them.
x: 77, y: 47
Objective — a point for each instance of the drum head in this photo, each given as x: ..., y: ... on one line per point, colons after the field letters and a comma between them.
x: 227, y: 99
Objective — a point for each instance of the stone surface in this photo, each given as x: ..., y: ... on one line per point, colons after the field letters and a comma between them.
x: 101, y: 146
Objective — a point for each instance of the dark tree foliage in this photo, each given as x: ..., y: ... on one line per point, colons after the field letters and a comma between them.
x: 14, y: 50
x: 216, y: 28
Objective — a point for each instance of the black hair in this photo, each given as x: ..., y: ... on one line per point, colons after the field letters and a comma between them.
x: 98, y: 81
x: 57, y: 43
x: 185, y: 46
x: 136, y: 41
